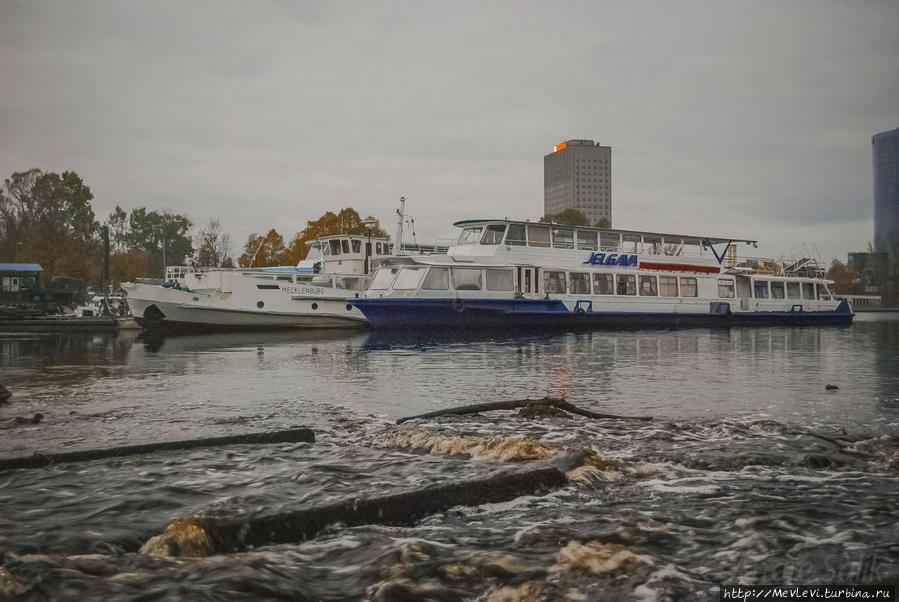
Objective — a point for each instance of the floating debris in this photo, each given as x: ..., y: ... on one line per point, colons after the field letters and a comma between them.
x: 831, y: 387
x: 556, y: 402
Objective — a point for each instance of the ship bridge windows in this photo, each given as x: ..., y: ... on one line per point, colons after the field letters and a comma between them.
x: 725, y: 288
x: 808, y: 290
x: 648, y: 286
x: 335, y: 246
x: 631, y: 243
x: 609, y: 241
x: 493, y: 234
x: 626, y: 284
x: 467, y: 279
x: 823, y: 292
x: 538, y: 236
x: 586, y: 240
x: 345, y: 244
x: 793, y: 290
x: 760, y: 289
x: 553, y: 282
x: 603, y: 284
x: 325, y: 249
x: 563, y: 238
x: 409, y: 279
x: 357, y: 245
x: 436, y: 280
x: 384, y: 277
x: 499, y: 280
x: 516, y: 236
x: 470, y: 236
x: 777, y: 290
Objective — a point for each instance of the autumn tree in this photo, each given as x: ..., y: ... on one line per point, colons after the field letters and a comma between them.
x: 346, y: 221
x: 843, y: 276
x: 264, y: 251
x: 47, y: 218
x: 213, y: 245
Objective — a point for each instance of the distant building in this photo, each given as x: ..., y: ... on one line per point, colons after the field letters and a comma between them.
x: 886, y: 188
x: 19, y: 282
x: 578, y: 175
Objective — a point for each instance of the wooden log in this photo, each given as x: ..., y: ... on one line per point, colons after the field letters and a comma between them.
x: 511, y: 405
x: 200, y: 536
x: 39, y: 460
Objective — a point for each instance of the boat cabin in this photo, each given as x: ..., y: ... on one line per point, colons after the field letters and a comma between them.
x: 348, y: 254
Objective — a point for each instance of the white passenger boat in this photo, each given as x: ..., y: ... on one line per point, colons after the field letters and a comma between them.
x: 312, y: 294
x: 504, y: 273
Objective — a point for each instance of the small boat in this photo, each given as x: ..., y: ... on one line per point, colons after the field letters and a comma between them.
x: 517, y: 274
x: 312, y: 294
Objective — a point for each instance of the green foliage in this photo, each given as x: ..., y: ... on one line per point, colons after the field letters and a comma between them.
x: 47, y: 218
x: 569, y: 217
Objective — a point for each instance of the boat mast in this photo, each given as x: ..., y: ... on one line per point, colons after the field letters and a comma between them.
x: 398, y: 238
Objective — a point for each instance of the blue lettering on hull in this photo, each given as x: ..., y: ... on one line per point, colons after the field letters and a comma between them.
x: 623, y: 259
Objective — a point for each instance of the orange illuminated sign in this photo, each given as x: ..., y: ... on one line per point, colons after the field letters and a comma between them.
x: 559, y: 147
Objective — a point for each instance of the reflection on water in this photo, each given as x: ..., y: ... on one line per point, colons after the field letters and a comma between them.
x: 751, y: 471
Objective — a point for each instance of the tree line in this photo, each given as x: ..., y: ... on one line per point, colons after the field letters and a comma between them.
x: 47, y: 218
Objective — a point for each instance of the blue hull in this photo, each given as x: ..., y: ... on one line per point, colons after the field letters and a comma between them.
x: 416, y: 313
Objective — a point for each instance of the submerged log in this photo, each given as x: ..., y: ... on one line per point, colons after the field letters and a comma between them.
x: 4, y: 394
x: 512, y: 405
x: 39, y: 460
x: 201, y: 536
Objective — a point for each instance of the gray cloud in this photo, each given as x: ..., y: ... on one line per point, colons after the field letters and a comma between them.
x: 752, y: 119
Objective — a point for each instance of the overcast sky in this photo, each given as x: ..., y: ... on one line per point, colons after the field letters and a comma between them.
x: 750, y: 119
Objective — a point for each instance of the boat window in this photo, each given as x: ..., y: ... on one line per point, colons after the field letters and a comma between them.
x: 553, y: 282
x: 586, y: 240
x: 326, y: 250
x: 777, y: 290
x: 346, y: 245
x: 761, y: 289
x: 467, y: 279
x: 793, y: 290
x: 603, y: 284
x: 516, y: 235
x: 357, y: 246
x: 673, y: 246
x: 470, y: 236
x: 499, y: 280
x: 648, y: 286
x: 668, y: 286
x: 538, y: 236
x: 652, y: 245
x: 409, y: 279
x: 493, y: 235
x: 563, y: 238
x: 335, y: 247
x: 314, y: 253
x: 383, y: 278
x: 725, y: 288
x: 437, y: 280
x: 627, y: 284
x: 631, y: 243
x: 823, y: 292
x: 580, y: 283
x: 688, y: 287
x: 609, y: 241
x: 808, y: 290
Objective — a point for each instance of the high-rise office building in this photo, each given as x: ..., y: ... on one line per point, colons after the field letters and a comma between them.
x: 578, y: 175
x: 886, y: 188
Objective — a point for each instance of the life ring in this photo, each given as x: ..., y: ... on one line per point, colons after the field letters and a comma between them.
x: 459, y: 305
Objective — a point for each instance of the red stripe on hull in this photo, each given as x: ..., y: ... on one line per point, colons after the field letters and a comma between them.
x: 680, y: 267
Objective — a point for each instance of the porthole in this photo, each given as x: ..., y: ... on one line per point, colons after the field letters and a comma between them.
x: 349, y: 307
x: 196, y: 298
x: 260, y: 304
x: 315, y: 306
